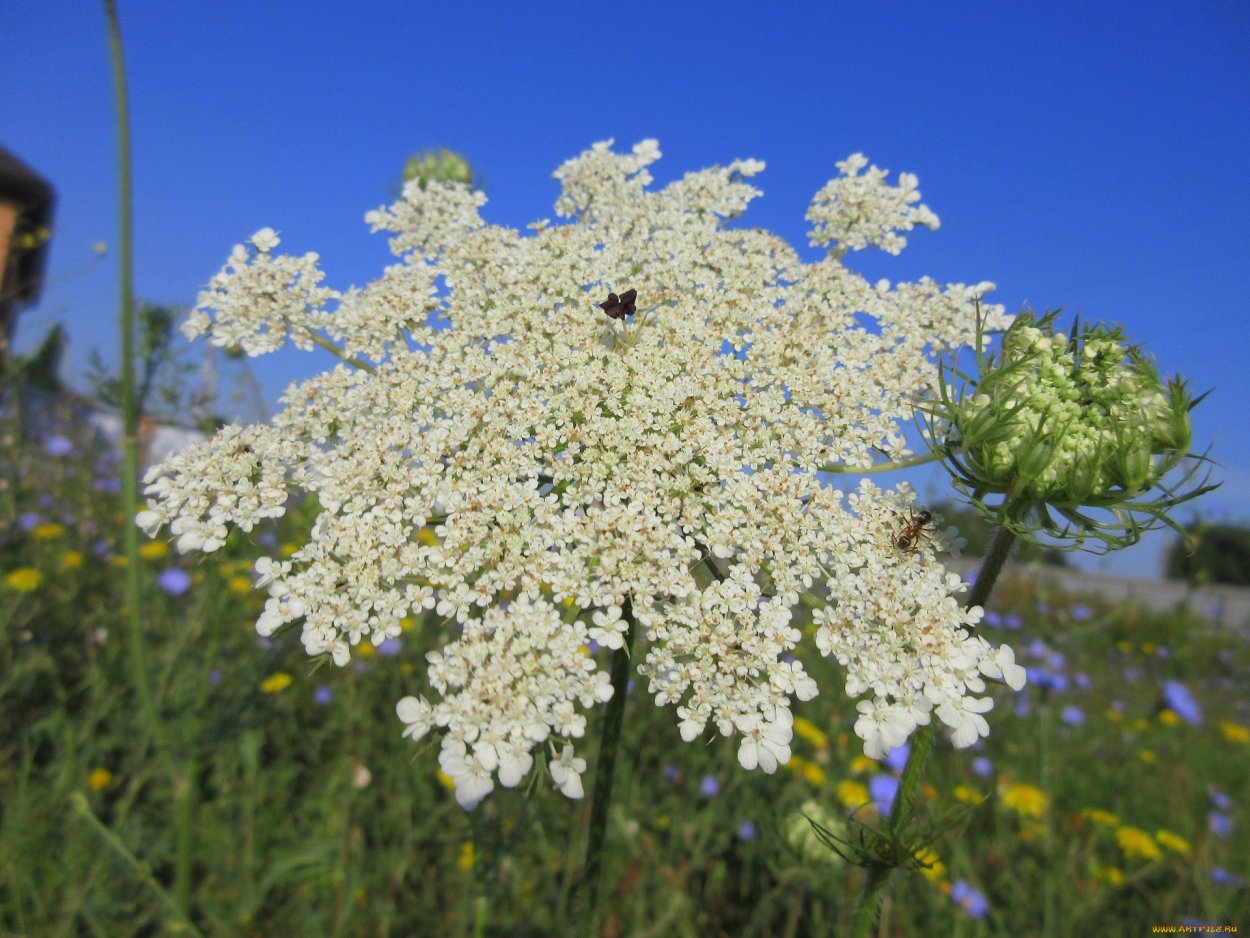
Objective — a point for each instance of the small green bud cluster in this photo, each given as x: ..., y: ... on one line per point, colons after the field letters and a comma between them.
x: 1068, y: 423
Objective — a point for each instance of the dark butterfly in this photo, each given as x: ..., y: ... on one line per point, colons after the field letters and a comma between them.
x: 618, y: 307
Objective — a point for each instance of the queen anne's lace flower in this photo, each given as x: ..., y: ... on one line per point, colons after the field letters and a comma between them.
x: 545, y: 476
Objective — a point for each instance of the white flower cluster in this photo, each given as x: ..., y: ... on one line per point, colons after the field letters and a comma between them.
x: 520, y: 452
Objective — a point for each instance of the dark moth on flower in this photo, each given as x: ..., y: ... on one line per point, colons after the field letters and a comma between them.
x: 620, y: 307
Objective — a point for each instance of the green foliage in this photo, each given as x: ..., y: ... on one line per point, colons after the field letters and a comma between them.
x: 42, y: 370
x: 442, y: 165
x: 976, y: 532
x: 163, y: 371
x: 307, y: 816
x: 1211, y: 553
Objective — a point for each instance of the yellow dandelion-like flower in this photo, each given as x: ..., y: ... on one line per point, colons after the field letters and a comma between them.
x: 1142, y: 724
x: 405, y: 667
x: 118, y: 561
x: 99, y: 778
x: 814, y: 774
x: 47, y: 532
x: 1111, y: 875
x: 1031, y: 831
x: 71, y: 560
x: 366, y: 650
x: 1025, y: 800
x: 446, y: 780
x: 852, y: 794
x: 1170, y: 718
x: 360, y: 895
x: 464, y: 861
x: 1173, y: 842
x: 240, y: 585
x: 1124, y: 646
x: 1148, y: 648
x: 931, y: 866
x: 862, y: 765
x: 1137, y: 844
x: 406, y: 624
x: 1100, y: 817
x: 276, y: 683
x: 1235, y: 732
x: 288, y: 549
x: 1147, y: 756
x: 427, y: 537
x: 23, y: 580
x: 967, y: 794
x: 806, y: 729
x: 153, y: 550
x: 1115, y: 716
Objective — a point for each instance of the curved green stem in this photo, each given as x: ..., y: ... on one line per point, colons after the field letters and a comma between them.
x: 885, y: 466
x: 586, y: 896
x: 338, y: 353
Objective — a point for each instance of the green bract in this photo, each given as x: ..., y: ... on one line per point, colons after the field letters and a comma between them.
x: 1079, y: 436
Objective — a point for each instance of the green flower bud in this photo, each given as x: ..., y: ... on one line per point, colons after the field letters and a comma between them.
x: 1062, y: 426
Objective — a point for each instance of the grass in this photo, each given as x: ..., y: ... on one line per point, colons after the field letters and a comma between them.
x: 275, y: 795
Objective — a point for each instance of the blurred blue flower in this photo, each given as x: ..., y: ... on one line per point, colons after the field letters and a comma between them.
x: 709, y: 787
x: 1081, y: 681
x: 323, y: 694
x: 1038, y: 648
x: 1013, y: 622
x: 670, y: 772
x: 1219, y: 799
x: 1221, y: 877
x: 969, y: 899
x: 1081, y: 612
x: 1023, y: 709
x: 982, y: 767
x: 268, y: 539
x: 1221, y: 825
x: 391, y: 646
x: 214, y: 677
x: 27, y: 520
x: 992, y: 619
x: 108, y: 484
x: 1163, y: 652
x: 1179, y: 699
x: 58, y: 446
x: 896, y: 758
x: 175, y: 581
x: 1072, y: 715
x: 882, y: 788
x: 747, y: 830
x: 1132, y: 675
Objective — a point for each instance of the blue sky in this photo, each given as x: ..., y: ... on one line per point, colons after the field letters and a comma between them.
x: 1089, y: 156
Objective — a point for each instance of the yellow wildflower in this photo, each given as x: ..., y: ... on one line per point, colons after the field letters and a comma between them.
x: 1100, y: 817
x: 47, y: 532
x: 806, y: 729
x: 1111, y: 875
x: 1135, y: 842
x: 1235, y: 732
x: 288, y: 549
x: 967, y: 794
x: 852, y: 794
x: 366, y: 650
x: 1115, y: 716
x: 1124, y: 646
x: 1173, y: 842
x: 1147, y: 756
x: 406, y: 624
x: 276, y: 683
x: 862, y: 765
x: 427, y: 537
x: 446, y: 780
x: 1170, y: 718
x: 118, y: 561
x: 931, y: 867
x: 23, y: 580
x: 153, y: 550
x: 814, y: 774
x: 240, y: 585
x: 1148, y: 648
x: 1142, y: 724
x: 1025, y: 800
x: 71, y: 560
x: 99, y: 778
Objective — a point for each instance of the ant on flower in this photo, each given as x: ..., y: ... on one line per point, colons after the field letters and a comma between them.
x: 908, y: 540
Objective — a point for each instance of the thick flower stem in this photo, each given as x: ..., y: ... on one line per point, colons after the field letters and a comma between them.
x: 586, y: 896
x: 921, y: 744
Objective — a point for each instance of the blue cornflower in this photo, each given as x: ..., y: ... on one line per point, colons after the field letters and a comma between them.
x: 1219, y: 799
x: 1222, y: 877
x: 323, y: 694
x: 882, y: 788
x: 709, y: 787
x: 1221, y: 825
x: 1081, y: 612
x: 1179, y: 699
x: 1013, y: 622
x: 390, y: 646
x: 174, y: 581
x: 747, y: 830
x: 982, y: 767
x: 670, y: 772
x: 896, y: 758
x: 992, y: 619
x: 969, y: 899
x: 58, y: 446
x: 1072, y: 715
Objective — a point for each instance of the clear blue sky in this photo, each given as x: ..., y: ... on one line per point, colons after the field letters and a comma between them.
x: 1085, y: 155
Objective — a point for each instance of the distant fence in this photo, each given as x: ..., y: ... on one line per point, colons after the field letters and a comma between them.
x: 1224, y: 605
